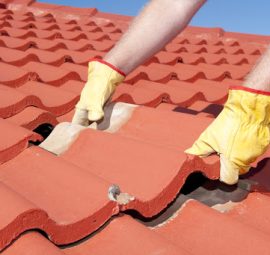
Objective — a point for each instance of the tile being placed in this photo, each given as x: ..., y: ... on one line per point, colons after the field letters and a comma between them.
x: 155, y: 146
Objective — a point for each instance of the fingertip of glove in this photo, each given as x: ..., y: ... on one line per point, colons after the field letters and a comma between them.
x: 95, y: 115
x: 189, y: 151
x: 229, y: 172
x: 193, y: 151
x: 80, y: 117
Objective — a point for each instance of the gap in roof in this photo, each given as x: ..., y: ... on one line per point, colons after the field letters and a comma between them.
x: 235, y: 16
x: 212, y: 193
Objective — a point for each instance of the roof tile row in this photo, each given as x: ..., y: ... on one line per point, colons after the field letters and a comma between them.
x: 43, y: 57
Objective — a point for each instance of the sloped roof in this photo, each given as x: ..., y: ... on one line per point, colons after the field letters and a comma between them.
x: 44, y: 51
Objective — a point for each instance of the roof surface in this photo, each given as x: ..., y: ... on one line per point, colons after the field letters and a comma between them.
x: 49, y: 201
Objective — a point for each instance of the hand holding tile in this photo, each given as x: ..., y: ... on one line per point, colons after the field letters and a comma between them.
x: 240, y: 134
x: 102, y: 81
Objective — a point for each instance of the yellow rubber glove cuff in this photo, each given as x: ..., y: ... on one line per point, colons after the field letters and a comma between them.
x: 239, y: 134
x: 102, y: 81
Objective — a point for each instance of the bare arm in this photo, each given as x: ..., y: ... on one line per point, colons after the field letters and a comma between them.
x: 259, y: 77
x: 158, y: 23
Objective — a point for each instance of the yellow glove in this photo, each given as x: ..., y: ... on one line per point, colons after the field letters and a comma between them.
x: 239, y: 134
x: 102, y: 81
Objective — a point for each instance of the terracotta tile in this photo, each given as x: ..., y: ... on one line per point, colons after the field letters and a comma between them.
x: 80, y: 45
x: 140, y: 139
x: 111, y: 30
x: 84, y: 11
x: 80, y: 57
x: 47, y: 57
x: 46, y: 44
x: 249, y: 37
x: 79, y: 70
x: 12, y: 101
x: 73, y: 86
x: 36, y: 189
x: 104, y: 45
x: 209, y: 58
x: 21, y: 24
x: 204, y: 109
x: 32, y: 117
x: 164, y: 73
x: 15, y: 43
x: 36, y: 94
x: 73, y: 35
x: 157, y: 73
x: 158, y: 134
x: 98, y: 36
x: 213, y: 91
x: 181, y: 39
x: 4, y: 23
x: 217, y: 59
x: 138, y: 236
x: 5, y: 11
x: 92, y: 28
x: 213, y: 49
x: 215, y: 31
x: 253, y: 211
x: 199, y: 106
x: 166, y: 107
x: 128, y: 94
x: 259, y: 175
x: 153, y: 93
x: 235, y: 72
x: 177, y: 48
x: 58, y: 101
x: 17, y: 33
x: 66, y: 117
x: 44, y: 34
x: 199, y: 222
x: 115, y: 232
x: 14, y: 139
x: 165, y: 237
x: 13, y: 76
x: 50, y: 74
x: 22, y: 2
x: 85, y: 44
x: 112, y: 17
x: 39, y: 246
x: 16, y: 57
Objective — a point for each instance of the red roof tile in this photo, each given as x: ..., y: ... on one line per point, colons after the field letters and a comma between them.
x: 128, y: 236
x: 44, y: 51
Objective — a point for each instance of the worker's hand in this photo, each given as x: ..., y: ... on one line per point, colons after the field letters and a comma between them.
x: 101, y: 83
x: 239, y: 134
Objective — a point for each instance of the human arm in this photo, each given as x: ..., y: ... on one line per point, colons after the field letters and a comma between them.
x: 158, y: 23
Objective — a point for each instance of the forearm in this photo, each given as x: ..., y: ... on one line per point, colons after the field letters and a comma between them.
x: 259, y: 77
x: 158, y: 23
